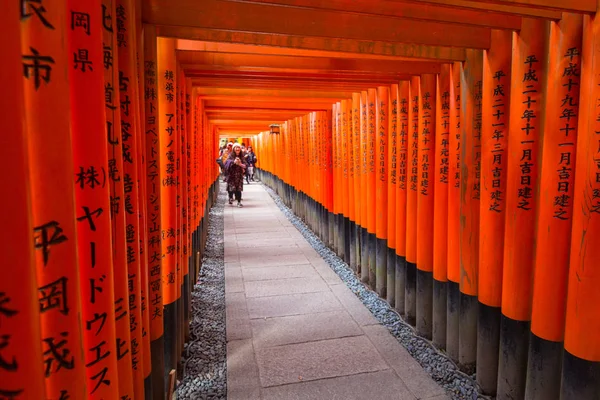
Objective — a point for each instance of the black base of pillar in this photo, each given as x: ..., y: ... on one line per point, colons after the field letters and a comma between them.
x: 452, y: 308
x: 148, y: 388
x: 544, y: 369
x: 410, y: 293
x: 346, y: 225
x: 391, y: 277
x: 372, y: 249
x: 488, y: 345
x: 400, y: 284
x: 580, y: 378
x: 424, y: 303
x: 331, y: 228
x: 358, y: 248
x: 467, y: 332
x: 170, y: 337
x: 352, y: 247
x: 157, y: 349
x: 364, y: 255
x: 186, y: 294
x: 381, y: 267
x: 512, y: 364
x: 440, y: 296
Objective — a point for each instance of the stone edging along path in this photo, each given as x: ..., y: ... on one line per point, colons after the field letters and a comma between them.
x: 204, y: 372
x: 439, y: 366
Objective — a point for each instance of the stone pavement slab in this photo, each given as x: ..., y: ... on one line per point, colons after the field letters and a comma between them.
x: 294, y: 330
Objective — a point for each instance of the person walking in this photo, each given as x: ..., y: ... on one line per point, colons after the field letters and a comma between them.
x: 236, y: 166
x: 251, y: 159
x: 223, y: 156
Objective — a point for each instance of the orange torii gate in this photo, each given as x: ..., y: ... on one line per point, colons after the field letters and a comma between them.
x: 446, y: 150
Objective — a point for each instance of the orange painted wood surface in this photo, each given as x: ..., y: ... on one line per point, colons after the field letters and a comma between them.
x: 426, y: 175
x: 557, y: 177
x: 529, y: 64
x: 494, y: 161
x: 46, y: 61
x: 22, y: 372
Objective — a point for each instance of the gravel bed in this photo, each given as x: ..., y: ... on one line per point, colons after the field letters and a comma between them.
x: 441, y: 368
x: 204, y: 374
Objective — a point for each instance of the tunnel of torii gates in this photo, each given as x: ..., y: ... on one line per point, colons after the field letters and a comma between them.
x: 448, y: 150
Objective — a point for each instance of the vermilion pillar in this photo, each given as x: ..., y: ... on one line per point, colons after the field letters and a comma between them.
x: 401, y: 190
x: 167, y: 75
x: 581, y: 358
x: 470, y: 194
x: 441, y: 175
x: 153, y: 213
x: 357, y: 152
x: 44, y: 52
x: 410, y: 305
x: 495, y: 112
x: 381, y: 187
x: 364, y: 252
x: 22, y: 374
x: 454, y: 183
x: 555, y: 212
x: 106, y: 350
x: 529, y: 63
x: 392, y: 181
x: 425, y: 196
x: 371, y: 183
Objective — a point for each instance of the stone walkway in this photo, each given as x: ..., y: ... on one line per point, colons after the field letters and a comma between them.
x: 294, y: 330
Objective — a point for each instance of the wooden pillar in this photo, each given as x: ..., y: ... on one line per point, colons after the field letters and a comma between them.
x: 22, y: 371
x: 371, y: 184
x: 381, y: 187
x: 344, y: 221
x: 496, y: 102
x: 130, y: 134
x: 364, y: 170
x: 410, y: 288
x: 44, y: 53
x: 529, y: 63
x: 452, y: 306
x: 392, y: 183
x: 351, y: 198
x: 104, y: 290
x: 153, y: 215
x: 440, y: 206
x: 401, y: 191
x: 167, y: 75
x: 581, y: 357
x: 357, y: 152
x: 425, y: 197
x: 471, y: 114
x: 558, y: 131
